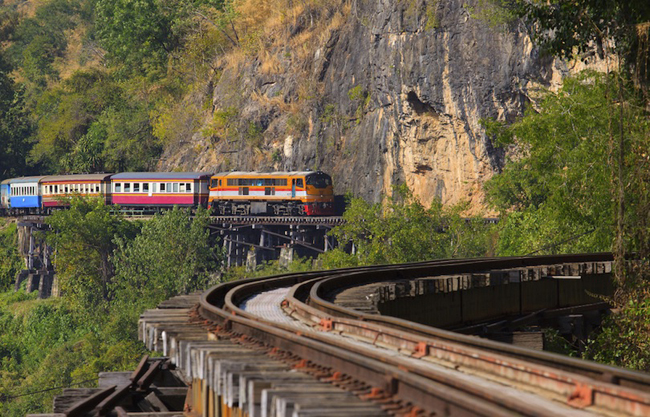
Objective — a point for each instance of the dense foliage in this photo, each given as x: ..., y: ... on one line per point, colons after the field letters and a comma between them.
x: 95, y: 78
x: 172, y: 255
x: 84, y: 238
x: 11, y: 261
x: 556, y: 192
x: 109, y: 270
x: 403, y: 230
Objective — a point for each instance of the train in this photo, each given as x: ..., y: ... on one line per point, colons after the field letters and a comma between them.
x: 301, y: 193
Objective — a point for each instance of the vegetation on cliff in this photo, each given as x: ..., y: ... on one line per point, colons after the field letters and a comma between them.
x: 90, y: 85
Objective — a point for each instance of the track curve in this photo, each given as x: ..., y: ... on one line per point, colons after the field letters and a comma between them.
x: 417, y: 363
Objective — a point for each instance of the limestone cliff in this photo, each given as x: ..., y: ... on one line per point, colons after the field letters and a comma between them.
x: 374, y: 92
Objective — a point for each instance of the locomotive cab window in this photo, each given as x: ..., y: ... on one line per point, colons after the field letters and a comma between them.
x: 299, y: 183
x: 319, y: 180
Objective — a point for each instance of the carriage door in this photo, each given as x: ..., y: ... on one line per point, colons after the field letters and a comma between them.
x: 293, y: 188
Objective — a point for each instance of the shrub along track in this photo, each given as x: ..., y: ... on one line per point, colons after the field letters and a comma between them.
x: 433, y: 370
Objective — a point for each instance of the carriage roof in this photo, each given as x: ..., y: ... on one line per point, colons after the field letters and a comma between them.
x: 160, y: 175
x: 76, y: 177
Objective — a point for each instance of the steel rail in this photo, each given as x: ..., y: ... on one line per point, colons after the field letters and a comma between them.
x: 607, y: 387
x: 217, y: 305
x: 226, y: 312
x: 619, y: 376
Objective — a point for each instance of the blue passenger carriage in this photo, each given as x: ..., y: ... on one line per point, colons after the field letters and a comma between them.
x: 25, y: 195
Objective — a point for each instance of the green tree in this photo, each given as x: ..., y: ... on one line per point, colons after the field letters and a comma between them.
x: 66, y: 114
x: 36, y: 42
x: 137, y: 34
x: 15, y: 124
x: 556, y: 193
x: 83, y: 238
x: 403, y: 230
x: 11, y: 260
x: 90, y: 124
x: 173, y: 255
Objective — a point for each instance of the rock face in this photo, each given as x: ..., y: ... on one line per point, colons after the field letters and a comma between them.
x: 376, y: 93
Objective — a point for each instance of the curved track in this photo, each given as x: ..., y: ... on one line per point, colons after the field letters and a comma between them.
x: 435, y: 370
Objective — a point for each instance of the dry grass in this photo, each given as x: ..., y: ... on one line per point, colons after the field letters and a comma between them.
x: 275, y: 102
x: 269, y: 63
x: 264, y: 29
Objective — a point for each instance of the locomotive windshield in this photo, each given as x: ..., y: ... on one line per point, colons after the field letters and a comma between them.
x: 319, y: 180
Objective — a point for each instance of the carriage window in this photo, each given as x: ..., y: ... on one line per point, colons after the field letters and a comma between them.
x: 67, y: 189
x: 182, y: 187
x: 162, y: 187
x: 188, y: 187
x: 127, y: 187
x: 145, y: 187
x: 175, y: 185
x: 136, y: 187
x: 118, y: 187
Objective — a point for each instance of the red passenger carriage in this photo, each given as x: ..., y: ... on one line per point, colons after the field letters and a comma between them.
x: 160, y: 189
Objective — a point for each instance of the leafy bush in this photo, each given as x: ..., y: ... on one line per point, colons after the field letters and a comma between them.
x: 11, y: 261
x: 403, y: 230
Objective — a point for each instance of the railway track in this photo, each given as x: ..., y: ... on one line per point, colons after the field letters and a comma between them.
x: 246, y: 340
x: 419, y: 358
